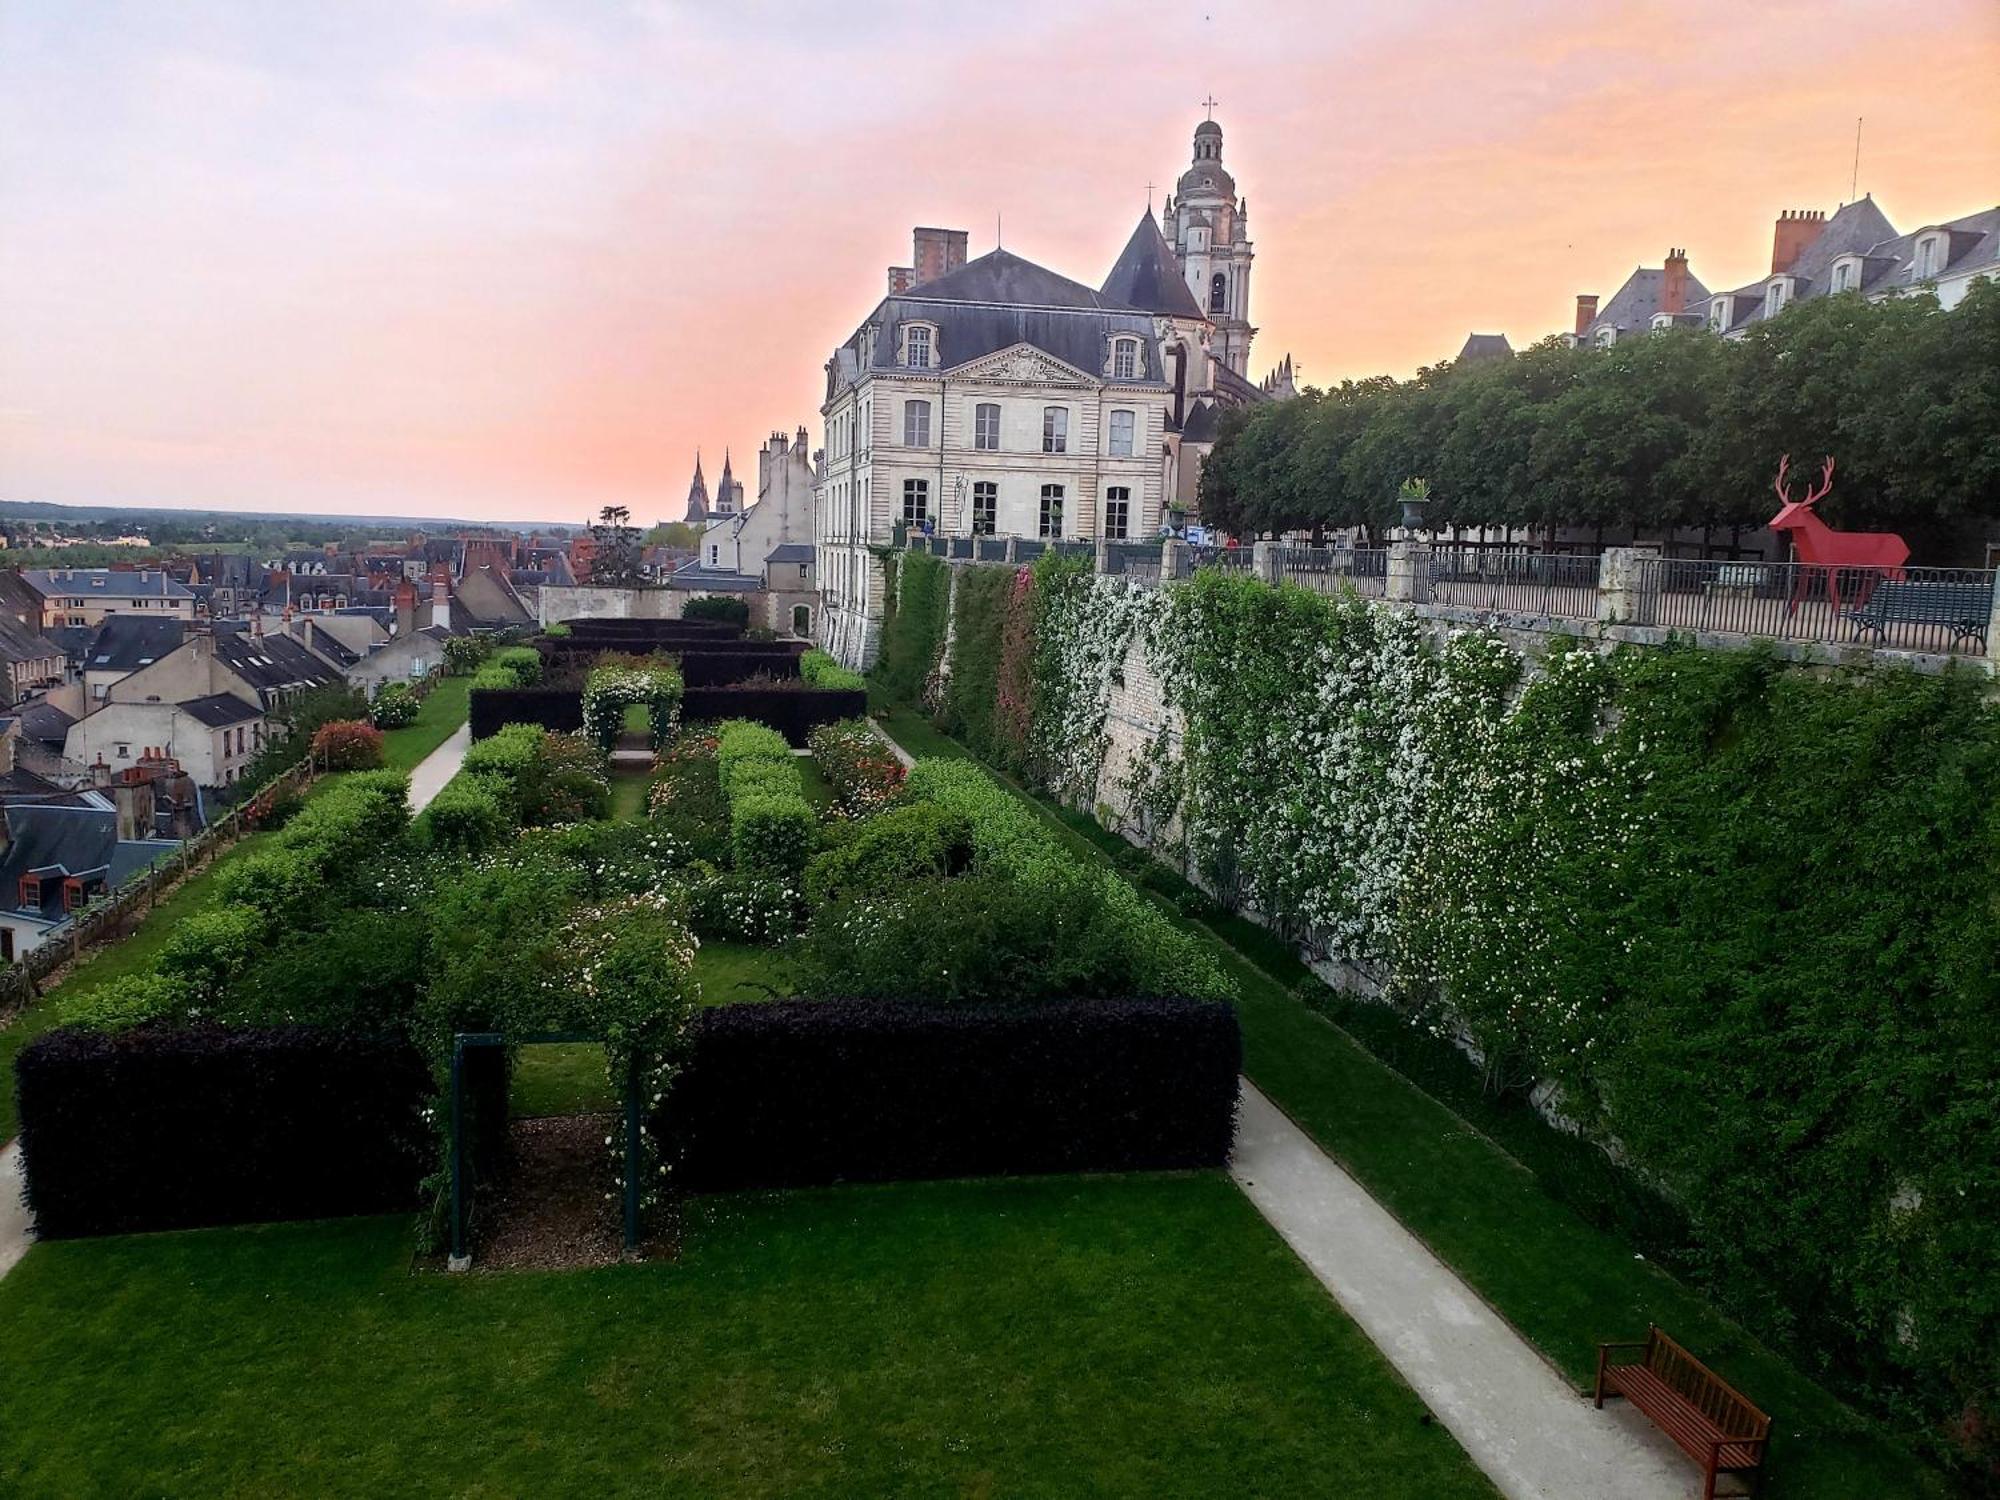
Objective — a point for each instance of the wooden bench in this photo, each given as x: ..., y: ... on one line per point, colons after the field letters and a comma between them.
x: 1962, y: 608
x: 1713, y: 1424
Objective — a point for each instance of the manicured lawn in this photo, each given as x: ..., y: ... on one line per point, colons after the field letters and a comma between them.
x: 1141, y: 1336
x: 730, y: 973
x: 1562, y: 1283
x: 628, y: 793
x: 561, y: 1078
x: 443, y: 711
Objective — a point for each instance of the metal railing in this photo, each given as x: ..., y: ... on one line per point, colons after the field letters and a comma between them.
x: 1943, y: 610
x: 1332, y: 569
x: 1560, y: 585
x: 1139, y: 560
x: 1228, y: 559
x: 989, y: 549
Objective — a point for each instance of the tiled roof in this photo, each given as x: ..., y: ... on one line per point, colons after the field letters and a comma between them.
x: 1146, y: 276
x: 109, y: 583
x: 125, y: 643
x: 60, y: 841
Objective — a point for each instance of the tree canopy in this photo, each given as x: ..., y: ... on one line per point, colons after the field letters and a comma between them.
x: 1672, y: 429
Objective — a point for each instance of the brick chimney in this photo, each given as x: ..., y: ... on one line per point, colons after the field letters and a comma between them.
x: 406, y: 607
x: 1586, y: 309
x: 933, y: 253
x: 1674, y: 283
x: 1797, y: 228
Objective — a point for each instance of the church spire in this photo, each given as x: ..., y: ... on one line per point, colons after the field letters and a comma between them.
x: 697, y: 506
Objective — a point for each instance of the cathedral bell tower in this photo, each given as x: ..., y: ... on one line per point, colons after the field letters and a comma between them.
x: 1209, y: 229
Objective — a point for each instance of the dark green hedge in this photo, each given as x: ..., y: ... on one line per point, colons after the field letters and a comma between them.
x: 919, y: 591
x: 158, y: 1128
x: 804, y: 1092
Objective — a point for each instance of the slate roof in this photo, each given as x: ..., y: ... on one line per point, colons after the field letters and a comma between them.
x: 715, y: 581
x: 125, y: 643
x: 1971, y: 244
x: 219, y: 710
x: 18, y: 643
x: 792, y: 552
x: 272, y: 663
x: 1145, y: 275
x: 42, y: 721
x: 1004, y: 277
x: 1485, y: 346
x: 60, y: 841
x: 1632, y: 306
x: 18, y: 785
x: 109, y: 583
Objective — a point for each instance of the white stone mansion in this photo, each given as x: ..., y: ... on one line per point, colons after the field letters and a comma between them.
x: 996, y: 397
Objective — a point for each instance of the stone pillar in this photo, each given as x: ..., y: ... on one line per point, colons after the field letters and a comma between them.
x: 1400, y: 587
x: 1993, y: 627
x: 1010, y: 549
x: 1266, y: 560
x: 1176, y: 561
x: 1625, y: 585
x: 1100, y: 562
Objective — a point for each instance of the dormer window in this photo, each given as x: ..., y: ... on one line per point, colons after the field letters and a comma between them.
x: 1606, y: 336
x: 1843, y: 276
x: 919, y: 342
x: 1718, y: 314
x: 1926, y: 264
x: 1774, y: 298
x: 1124, y: 359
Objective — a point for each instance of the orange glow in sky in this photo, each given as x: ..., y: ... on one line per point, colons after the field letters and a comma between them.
x: 505, y: 260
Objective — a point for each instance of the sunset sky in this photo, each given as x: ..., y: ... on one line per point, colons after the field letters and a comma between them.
x: 518, y: 260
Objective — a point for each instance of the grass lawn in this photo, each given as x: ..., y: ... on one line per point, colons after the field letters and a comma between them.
x: 1144, y: 1336
x: 1561, y: 1282
x: 443, y: 711
x: 628, y: 792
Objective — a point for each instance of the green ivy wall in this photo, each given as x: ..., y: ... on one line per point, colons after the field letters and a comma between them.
x: 1740, y: 920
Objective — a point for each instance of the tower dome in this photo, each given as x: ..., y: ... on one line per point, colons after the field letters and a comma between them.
x: 1206, y: 175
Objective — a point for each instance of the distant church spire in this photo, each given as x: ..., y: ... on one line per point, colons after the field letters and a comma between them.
x: 697, y: 506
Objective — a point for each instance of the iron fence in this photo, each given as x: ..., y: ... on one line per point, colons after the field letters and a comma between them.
x: 1027, y: 549
x: 1944, y: 610
x: 1139, y: 560
x: 1561, y: 585
x: 989, y: 549
x: 1228, y: 559
x: 1329, y: 570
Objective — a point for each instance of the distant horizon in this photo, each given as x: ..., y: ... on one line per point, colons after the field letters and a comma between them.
x: 510, y: 259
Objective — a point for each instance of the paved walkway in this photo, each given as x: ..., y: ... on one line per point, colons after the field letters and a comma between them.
x: 15, y: 1234
x: 1534, y: 1437
x: 435, y: 769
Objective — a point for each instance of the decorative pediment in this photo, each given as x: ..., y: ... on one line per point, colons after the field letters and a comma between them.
x: 1021, y: 364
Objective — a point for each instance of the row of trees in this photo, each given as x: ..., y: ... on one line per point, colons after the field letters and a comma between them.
x: 1679, y: 429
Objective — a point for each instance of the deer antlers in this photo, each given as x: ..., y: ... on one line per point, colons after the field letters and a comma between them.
x: 1813, y: 494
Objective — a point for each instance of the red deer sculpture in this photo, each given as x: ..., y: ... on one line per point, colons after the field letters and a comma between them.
x: 1826, y: 553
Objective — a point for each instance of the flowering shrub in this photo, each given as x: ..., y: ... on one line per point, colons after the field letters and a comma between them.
x: 466, y: 817
x: 770, y: 832
x: 464, y: 653
x: 567, y: 782
x: 395, y: 706
x: 744, y: 907
x: 860, y: 767
x: 610, y: 689
x: 348, y: 745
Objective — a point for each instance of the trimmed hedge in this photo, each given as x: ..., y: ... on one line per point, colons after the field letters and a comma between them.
x: 624, y: 634
x: 157, y: 1128
x: 793, y: 712
x: 822, y: 671
x: 493, y: 708
x: 728, y: 611
x: 467, y: 816
x: 807, y: 1092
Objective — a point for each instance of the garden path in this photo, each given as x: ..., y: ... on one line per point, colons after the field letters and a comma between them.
x: 1520, y: 1421
x: 435, y: 769
x: 14, y: 1233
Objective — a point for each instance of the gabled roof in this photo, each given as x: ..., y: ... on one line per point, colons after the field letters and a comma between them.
x: 1632, y: 306
x: 272, y: 663
x: 110, y: 583
x: 44, y: 722
x: 219, y: 710
x: 125, y: 643
x: 20, y: 644
x: 1485, y: 346
x: 1145, y: 275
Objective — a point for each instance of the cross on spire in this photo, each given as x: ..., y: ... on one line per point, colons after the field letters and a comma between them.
x: 1209, y: 104
x: 1149, y: 197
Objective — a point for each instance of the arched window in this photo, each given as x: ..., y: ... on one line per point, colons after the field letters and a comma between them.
x: 801, y: 620
x: 1218, y: 293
